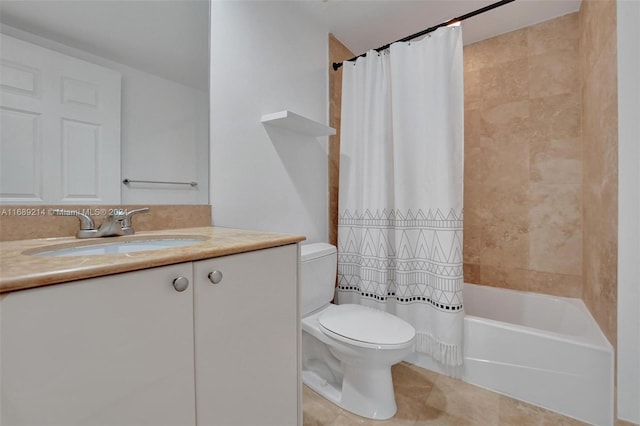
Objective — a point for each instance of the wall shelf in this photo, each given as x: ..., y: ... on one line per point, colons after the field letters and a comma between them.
x: 297, y: 123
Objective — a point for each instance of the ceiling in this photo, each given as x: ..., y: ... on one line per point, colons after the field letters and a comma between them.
x: 170, y: 37
x: 362, y: 25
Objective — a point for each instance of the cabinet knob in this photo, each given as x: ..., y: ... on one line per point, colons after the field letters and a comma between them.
x: 215, y: 277
x: 181, y: 283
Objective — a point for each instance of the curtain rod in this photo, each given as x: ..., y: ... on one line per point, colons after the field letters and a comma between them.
x: 337, y: 65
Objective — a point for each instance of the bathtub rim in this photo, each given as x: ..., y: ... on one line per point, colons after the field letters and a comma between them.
x: 596, y: 341
x: 578, y: 340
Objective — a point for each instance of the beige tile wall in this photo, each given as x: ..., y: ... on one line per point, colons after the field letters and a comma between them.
x: 600, y: 182
x: 16, y: 225
x: 523, y: 160
x: 337, y: 52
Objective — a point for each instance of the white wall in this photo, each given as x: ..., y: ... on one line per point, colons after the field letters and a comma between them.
x: 266, y: 57
x: 164, y: 131
x: 164, y: 137
x: 628, y: 210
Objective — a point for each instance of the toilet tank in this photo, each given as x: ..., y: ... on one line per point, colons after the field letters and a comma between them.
x: 318, y: 263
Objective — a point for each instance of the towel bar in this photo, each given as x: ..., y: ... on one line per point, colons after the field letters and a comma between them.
x: 128, y: 181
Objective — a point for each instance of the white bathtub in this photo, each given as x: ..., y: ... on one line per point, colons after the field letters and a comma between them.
x: 541, y: 349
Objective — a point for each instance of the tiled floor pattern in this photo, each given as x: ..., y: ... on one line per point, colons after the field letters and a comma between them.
x: 427, y: 398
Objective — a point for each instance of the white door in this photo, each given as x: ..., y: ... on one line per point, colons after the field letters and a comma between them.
x: 60, y: 127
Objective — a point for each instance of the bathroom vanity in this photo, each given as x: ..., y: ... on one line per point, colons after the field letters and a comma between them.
x: 206, y: 333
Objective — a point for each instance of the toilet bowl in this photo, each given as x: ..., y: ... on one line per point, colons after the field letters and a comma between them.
x: 348, y: 350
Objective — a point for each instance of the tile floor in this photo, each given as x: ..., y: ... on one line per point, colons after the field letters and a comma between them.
x: 428, y: 398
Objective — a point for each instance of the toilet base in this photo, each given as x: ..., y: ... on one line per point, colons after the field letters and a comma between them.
x: 350, y: 374
x: 368, y: 392
x: 321, y: 386
x: 365, y: 392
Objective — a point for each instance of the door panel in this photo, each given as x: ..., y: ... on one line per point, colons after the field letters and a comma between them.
x: 247, y: 336
x: 74, y: 156
x: 114, y: 350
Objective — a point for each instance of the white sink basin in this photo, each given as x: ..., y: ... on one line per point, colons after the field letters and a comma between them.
x: 119, y: 247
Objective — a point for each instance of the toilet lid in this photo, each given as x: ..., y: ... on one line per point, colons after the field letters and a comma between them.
x: 364, y: 324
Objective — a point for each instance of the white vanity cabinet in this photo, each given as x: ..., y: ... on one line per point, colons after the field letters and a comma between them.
x: 114, y: 350
x: 246, y: 339
x: 131, y: 350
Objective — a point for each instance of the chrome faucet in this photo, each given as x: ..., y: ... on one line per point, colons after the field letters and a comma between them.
x: 111, y: 225
x: 116, y: 223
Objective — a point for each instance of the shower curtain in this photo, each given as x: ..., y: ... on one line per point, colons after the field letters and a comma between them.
x: 401, y: 177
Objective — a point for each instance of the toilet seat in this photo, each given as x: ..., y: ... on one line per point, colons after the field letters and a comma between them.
x: 366, y: 327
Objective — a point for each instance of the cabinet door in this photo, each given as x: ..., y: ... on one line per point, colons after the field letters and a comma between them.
x: 246, y: 339
x: 114, y: 350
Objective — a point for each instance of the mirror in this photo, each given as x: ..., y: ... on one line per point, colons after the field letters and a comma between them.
x: 157, y: 51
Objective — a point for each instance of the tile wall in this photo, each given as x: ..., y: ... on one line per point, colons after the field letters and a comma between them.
x: 21, y: 222
x: 337, y: 52
x: 523, y: 160
x: 600, y: 161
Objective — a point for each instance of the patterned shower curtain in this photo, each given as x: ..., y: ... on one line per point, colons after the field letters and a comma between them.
x: 401, y: 181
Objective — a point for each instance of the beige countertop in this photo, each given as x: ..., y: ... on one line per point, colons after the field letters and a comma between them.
x: 21, y: 270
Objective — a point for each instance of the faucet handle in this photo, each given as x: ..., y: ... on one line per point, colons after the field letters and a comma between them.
x: 86, y: 223
x: 118, y: 214
x: 130, y: 213
x: 87, y: 226
x: 126, y: 220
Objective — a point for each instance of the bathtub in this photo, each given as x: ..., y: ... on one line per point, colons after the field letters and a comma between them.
x: 544, y: 350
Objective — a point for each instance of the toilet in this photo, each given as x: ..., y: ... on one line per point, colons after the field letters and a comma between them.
x: 348, y: 350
